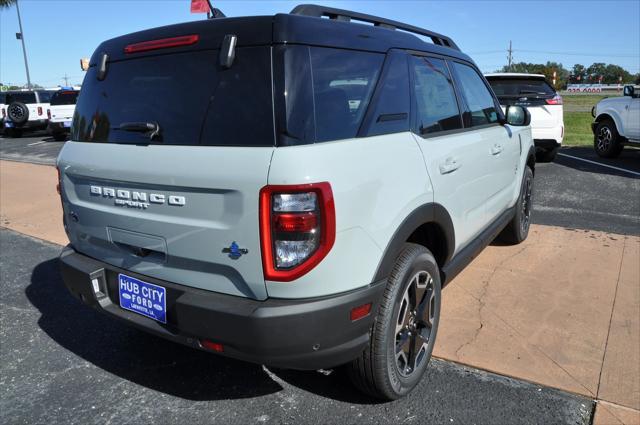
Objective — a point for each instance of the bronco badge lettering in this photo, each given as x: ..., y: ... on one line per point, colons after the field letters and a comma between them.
x: 135, y: 199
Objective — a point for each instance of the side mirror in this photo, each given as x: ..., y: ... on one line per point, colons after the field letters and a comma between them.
x: 628, y: 91
x: 518, y: 116
x: 84, y: 64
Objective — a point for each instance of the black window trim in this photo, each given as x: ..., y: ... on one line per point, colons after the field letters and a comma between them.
x: 368, y: 119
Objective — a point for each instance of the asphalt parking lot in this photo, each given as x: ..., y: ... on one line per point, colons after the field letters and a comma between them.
x: 63, y: 362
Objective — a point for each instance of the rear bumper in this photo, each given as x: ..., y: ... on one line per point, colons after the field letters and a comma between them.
x: 28, y: 125
x: 547, y: 138
x: 304, y: 334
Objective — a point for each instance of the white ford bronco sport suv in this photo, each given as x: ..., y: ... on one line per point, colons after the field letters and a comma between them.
x: 616, y: 123
x: 25, y: 111
x: 289, y: 190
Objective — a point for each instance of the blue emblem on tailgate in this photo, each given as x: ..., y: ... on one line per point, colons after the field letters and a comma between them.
x: 143, y: 298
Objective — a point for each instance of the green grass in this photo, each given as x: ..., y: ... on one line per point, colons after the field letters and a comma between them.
x: 577, y: 129
x: 577, y: 118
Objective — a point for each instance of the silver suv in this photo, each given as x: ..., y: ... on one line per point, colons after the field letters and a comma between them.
x: 289, y: 190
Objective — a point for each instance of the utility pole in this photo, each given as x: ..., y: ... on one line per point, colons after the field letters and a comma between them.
x: 510, y: 55
x: 66, y: 80
x: 24, y: 49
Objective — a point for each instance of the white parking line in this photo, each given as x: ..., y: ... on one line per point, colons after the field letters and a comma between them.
x: 600, y: 164
x: 36, y: 143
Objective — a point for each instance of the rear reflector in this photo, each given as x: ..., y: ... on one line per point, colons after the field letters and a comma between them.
x: 162, y: 43
x: 359, y: 312
x: 210, y: 345
x: 39, y: 110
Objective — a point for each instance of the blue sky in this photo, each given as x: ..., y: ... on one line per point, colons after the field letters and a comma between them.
x: 59, y: 33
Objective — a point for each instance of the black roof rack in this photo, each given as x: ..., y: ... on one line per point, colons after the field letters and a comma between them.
x: 347, y: 15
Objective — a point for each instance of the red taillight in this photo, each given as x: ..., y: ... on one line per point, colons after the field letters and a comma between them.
x: 555, y: 100
x: 39, y: 110
x: 4, y: 113
x: 359, y: 312
x: 210, y: 345
x: 162, y: 43
x: 49, y: 113
x: 297, y: 228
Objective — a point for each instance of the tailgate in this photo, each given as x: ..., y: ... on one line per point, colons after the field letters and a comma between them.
x: 168, y: 211
x: 169, y: 152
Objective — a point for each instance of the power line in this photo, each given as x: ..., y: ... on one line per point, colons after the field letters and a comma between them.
x: 492, y: 52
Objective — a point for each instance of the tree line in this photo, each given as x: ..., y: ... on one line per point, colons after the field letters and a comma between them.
x: 598, y: 72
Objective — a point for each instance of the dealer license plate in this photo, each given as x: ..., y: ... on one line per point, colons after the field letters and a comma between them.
x: 143, y: 298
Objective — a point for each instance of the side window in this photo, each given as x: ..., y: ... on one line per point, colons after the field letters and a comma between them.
x: 343, y: 82
x: 481, y: 108
x: 392, y: 100
x: 436, y: 104
x: 322, y: 94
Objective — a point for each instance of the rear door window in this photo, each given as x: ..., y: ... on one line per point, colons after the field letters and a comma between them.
x: 190, y: 98
x: 480, y: 104
x: 436, y: 104
x: 326, y: 92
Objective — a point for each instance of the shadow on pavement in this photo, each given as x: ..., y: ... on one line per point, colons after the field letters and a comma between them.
x: 158, y: 364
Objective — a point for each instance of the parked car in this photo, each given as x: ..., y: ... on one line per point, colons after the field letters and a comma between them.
x: 542, y: 101
x: 616, y: 123
x: 308, y: 214
x: 26, y: 111
x: 60, y: 113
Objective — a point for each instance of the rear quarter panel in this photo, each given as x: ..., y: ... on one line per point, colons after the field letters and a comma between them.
x: 376, y: 182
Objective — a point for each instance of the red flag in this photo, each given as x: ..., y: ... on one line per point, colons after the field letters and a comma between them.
x: 199, y: 6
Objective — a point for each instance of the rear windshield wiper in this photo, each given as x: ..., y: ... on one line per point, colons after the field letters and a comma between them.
x: 153, y: 128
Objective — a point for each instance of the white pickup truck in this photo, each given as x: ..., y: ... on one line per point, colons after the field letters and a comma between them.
x: 616, y: 123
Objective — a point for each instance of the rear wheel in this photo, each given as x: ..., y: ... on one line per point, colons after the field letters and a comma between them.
x: 518, y: 228
x: 606, y: 140
x: 404, y: 332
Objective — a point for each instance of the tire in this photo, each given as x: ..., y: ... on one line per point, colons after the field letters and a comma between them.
x: 518, y: 228
x: 547, y: 155
x: 18, y: 112
x: 60, y: 137
x: 606, y: 140
x: 379, y: 371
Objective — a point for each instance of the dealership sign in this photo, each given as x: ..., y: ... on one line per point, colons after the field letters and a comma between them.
x: 585, y: 88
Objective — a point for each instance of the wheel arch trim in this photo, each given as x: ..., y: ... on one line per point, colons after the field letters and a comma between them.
x: 424, y: 214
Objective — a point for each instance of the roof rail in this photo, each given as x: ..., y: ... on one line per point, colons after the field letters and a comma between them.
x: 347, y: 15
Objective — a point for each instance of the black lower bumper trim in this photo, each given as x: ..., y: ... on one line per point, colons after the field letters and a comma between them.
x: 305, y: 334
x: 546, y: 143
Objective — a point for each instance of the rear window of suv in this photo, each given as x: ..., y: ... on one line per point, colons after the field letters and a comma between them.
x: 188, y: 95
x: 66, y: 97
x: 520, y: 86
x: 23, y: 97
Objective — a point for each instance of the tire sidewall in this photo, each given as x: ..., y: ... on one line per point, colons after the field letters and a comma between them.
x: 614, y: 137
x: 25, y: 116
x: 527, y: 175
x: 422, y: 261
